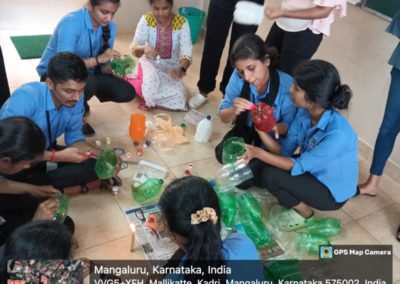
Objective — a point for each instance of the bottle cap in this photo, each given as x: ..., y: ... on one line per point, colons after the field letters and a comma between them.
x: 115, y: 190
x: 250, y: 108
x: 183, y: 125
x: 208, y: 117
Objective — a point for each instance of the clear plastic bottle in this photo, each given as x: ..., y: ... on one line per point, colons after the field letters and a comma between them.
x: 233, y: 174
x: 204, y: 130
x: 62, y: 210
x: 146, y: 191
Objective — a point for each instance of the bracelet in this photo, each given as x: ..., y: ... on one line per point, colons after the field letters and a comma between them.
x: 97, y: 60
x: 53, y: 156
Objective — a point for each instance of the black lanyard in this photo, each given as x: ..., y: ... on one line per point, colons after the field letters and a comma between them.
x: 52, y: 143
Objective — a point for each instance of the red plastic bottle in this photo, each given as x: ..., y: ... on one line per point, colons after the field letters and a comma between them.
x: 137, y: 127
x: 263, y: 117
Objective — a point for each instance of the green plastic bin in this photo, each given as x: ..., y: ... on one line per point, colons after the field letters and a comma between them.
x: 195, y: 18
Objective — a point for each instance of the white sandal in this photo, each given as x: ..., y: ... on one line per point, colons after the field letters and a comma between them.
x: 197, y: 100
x: 290, y: 220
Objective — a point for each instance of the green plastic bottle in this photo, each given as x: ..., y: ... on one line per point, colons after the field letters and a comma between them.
x: 309, y: 243
x: 232, y: 149
x: 256, y: 231
x: 106, y: 164
x: 227, y: 202
x: 328, y: 227
x: 62, y: 210
x: 146, y: 191
x: 284, y: 269
x: 123, y: 65
x: 248, y: 204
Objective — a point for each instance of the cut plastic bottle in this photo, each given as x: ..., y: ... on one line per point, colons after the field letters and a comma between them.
x: 106, y: 164
x: 146, y: 191
x: 250, y: 206
x: 309, y: 243
x: 62, y: 210
x: 227, y: 202
x: 233, y: 174
x: 263, y: 117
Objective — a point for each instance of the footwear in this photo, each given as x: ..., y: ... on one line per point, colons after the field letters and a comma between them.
x: 87, y: 130
x: 398, y: 234
x: 290, y: 220
x: 367, y: 194
x: 197, y: 100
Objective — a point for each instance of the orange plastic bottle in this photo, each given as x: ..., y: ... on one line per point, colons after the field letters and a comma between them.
x: 137, y: 127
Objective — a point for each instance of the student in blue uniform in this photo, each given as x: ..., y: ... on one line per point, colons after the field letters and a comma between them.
x: 90, y: 33
x: 193, y: 219
x: 324, y: 175
x: 255, y: 79
x: 56, y: 106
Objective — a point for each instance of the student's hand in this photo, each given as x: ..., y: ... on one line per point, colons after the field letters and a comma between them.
x: 71, y: 155
x: 150, y: 52
x: 250, y: 153
x: 107, y: 55
x: 176, y: 74
x: 240, y: 105
x: 46, y: 210
x: 43, y: 191
x: 273, y: 13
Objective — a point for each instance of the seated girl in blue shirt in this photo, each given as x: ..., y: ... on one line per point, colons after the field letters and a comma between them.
x: 192, y: 214
x: 255, y: 79
x: 324, y: 175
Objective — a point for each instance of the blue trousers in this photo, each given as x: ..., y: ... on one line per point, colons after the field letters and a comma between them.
x: 390, y: 126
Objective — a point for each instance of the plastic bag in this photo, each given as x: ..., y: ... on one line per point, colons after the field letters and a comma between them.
x: 106, y: 164
x: 165, y: 135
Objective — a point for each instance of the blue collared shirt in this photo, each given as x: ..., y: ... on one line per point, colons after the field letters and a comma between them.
x: 284, y: 110
x: 328, y: 151
x: 32, y: 100
x: 394, y: 29
x: 75, y: 33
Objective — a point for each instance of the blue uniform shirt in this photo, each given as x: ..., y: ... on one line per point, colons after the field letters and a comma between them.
x: 240, y: 255
x: 394, y: 29
x: 75, y: 33
x: 32, y: 100
x: 328, y: 151
x: 284, y: 110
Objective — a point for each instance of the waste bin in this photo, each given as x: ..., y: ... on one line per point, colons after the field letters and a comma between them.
x: 195, y: 18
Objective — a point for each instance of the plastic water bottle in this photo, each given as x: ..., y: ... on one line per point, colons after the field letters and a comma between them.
x: 137, y: 127
x: 62, y: 210
x: 249, y: 204
x: 149, y: 189
x: 309, y: 243
x: 255, y: 230
x: 204, y: 130
x: 227, y: 202
x: 263, y: 117
x: 233, y: 174
x: 248, y: 13
x: 327, y: 227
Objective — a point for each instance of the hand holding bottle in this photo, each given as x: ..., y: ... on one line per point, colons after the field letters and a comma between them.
x: 240, y: 105
x: 46, y: 210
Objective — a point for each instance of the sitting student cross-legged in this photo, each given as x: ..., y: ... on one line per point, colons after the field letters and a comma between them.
x: 56, y: 106
x: 324, y: 176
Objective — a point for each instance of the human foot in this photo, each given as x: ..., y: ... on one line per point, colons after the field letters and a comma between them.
x: 370, y: 187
